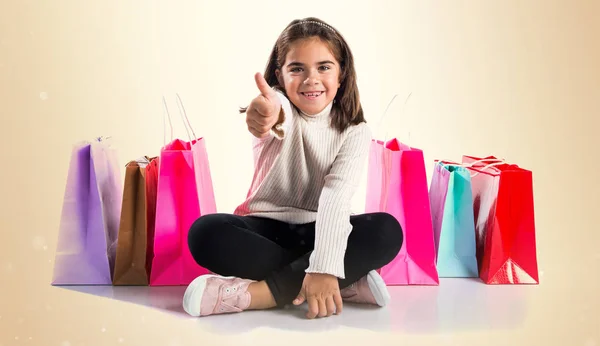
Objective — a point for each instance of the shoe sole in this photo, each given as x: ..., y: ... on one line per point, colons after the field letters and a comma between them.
x: 193, y: 295
x: 378, y: 288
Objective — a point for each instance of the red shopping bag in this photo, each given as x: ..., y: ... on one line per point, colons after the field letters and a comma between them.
x: 504, y: 221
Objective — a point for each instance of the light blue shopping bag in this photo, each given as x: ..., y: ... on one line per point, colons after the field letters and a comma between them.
x: 451, y: 200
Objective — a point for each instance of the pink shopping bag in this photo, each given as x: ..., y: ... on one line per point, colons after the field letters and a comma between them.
x: 397, y: 184
x: 184, y: 193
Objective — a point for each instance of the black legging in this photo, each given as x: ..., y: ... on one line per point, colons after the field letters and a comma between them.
x: 277, y: 252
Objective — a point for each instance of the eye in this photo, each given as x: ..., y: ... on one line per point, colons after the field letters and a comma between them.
x: 296, y: 70
x: 325, y: 67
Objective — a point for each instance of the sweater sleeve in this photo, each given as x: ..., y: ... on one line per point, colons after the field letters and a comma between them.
x: 334, y: 209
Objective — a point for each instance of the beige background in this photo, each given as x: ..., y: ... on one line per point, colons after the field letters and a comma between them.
x: 515, y: 79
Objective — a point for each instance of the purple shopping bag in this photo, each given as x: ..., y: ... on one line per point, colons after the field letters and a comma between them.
x: 89, y: 222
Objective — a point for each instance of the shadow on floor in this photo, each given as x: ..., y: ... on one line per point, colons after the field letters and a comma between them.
x: 455, y: 305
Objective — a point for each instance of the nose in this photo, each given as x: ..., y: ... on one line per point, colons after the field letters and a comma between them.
x: 312, y: 78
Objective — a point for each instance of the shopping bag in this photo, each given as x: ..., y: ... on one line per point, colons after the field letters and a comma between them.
x: 503, y: 209
x: 451, y: 202
x: 397, y: 184
x: 136, y: 229
x: 87, y: 235
x: 184, y: 193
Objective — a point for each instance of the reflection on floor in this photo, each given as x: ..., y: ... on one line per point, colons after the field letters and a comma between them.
x: 457, y: 304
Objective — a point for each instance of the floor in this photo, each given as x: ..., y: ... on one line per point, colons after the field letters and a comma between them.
x: 458, y: 312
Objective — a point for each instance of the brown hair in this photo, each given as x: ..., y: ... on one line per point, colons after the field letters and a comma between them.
x: 346, y: 109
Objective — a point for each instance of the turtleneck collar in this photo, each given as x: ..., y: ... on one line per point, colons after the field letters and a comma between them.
x: 324, y: 114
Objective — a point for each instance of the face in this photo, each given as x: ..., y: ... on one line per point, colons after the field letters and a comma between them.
x: 310, y: 75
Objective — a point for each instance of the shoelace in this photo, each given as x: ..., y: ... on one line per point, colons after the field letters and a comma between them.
x: 230, y: 302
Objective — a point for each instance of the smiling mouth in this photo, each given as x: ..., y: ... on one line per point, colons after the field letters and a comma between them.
x: 313, y: 94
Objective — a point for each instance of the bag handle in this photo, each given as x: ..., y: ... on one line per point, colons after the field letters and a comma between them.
x: 168, y: 116
x: 495, y: 162
x: 484, y: 160
x: 486, y: 167
x: 184, y: 119
x: 383, y: 116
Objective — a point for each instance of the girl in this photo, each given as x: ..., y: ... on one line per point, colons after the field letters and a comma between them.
x: 294, y: 239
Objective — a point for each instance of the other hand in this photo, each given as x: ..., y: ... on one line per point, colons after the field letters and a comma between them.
x: 322, y: 292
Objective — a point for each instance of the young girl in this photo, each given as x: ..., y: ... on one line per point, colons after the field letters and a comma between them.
x: 294, y: 239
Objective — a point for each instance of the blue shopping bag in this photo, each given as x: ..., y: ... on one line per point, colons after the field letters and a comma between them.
x: 451, y: 201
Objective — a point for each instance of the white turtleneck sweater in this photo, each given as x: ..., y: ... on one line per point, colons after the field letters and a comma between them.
x: 308, y: 171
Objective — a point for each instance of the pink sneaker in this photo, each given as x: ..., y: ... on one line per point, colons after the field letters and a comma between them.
x: 370, y: 289
x: 215, y: 294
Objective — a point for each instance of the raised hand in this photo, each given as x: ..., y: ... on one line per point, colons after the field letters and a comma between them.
x: 263, y: 112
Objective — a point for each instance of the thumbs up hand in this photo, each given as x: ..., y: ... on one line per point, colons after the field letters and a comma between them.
x: 263, y: 112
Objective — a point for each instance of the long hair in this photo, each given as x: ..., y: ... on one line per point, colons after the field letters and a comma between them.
x: 346, y: 109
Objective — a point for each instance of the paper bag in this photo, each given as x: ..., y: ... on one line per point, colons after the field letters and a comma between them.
x: 184, y: 193
x: 87, y: 235
x: 136, y: 230
x: 397, y: 184
x: 504, y: 221
x: 451, y: 201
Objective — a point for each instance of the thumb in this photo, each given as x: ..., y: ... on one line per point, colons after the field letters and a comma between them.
x: 299, y: 299
x: 263, y: 86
